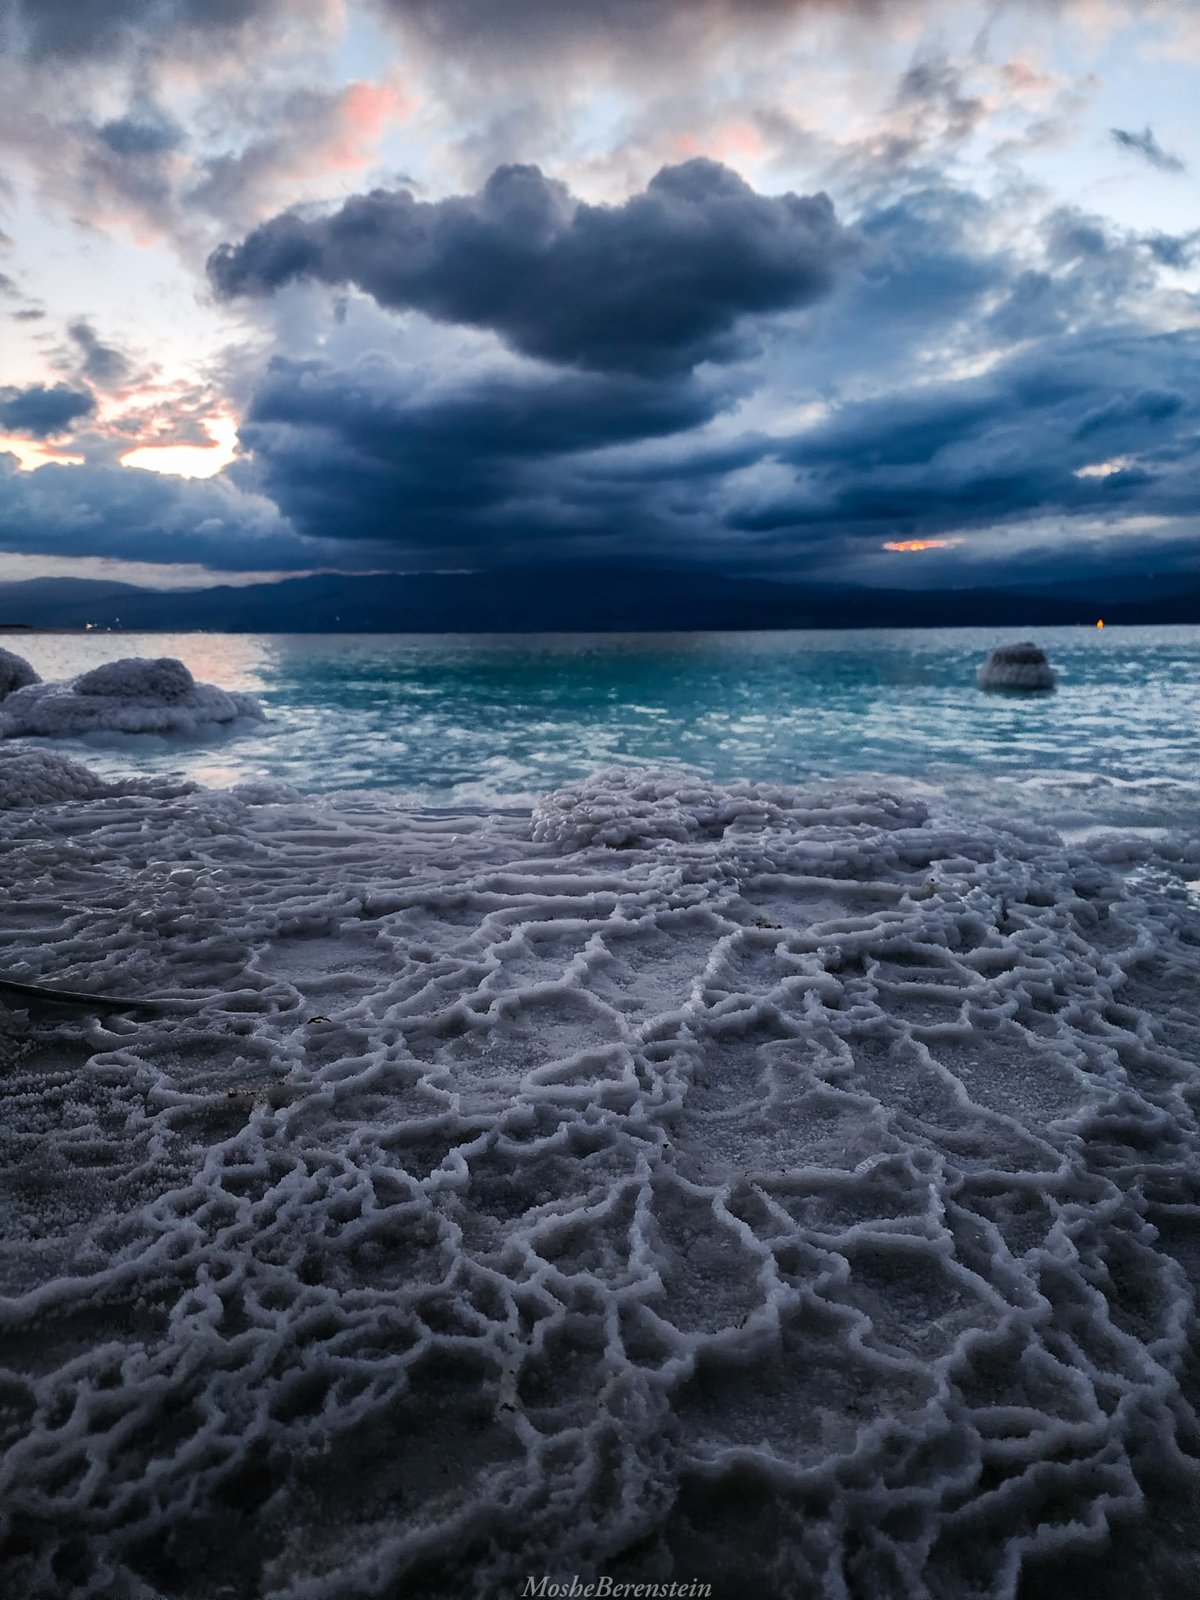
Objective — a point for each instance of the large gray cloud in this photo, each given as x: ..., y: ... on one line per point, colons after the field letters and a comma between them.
x: 82, y: 29
x: 623, y: 446
x: 42, y: 411
x: 77, y: 29
x: 639, y: 36
x: 656, y: 284
x: 113, y: 511
x: 1084, y: 425
x: 359, y: 452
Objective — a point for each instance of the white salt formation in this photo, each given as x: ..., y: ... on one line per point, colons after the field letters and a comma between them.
x: 803, y: 1197
x: 1017, y: 666
x: 135, y: 678
x: 30, y: 778
x: 630, y: 806
x: 130, y: 696
x: 43, y: 777
x: 15, y: 673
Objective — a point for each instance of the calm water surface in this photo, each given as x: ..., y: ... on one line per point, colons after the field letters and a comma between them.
x: 486, y: 721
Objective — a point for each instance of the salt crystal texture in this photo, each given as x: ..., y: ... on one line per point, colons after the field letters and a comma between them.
x: 1017, y: 666
x: 796, y: 1191
x: 134, y: 678
x: 34, y: 778
x: 129, y: 696
x: 624, y: 807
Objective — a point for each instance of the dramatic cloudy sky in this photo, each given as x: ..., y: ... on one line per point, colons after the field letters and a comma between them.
x: 765, y: 287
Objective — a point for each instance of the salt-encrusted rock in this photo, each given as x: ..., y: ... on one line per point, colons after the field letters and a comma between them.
x: 15, y: 673
x: 134, y: 678
x: 130, y: 696
x: 1022, y: 667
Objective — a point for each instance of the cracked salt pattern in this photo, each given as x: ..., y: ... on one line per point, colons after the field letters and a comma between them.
x: 797, y: 1191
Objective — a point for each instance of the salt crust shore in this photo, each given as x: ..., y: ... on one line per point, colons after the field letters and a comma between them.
x: 798, y: 1192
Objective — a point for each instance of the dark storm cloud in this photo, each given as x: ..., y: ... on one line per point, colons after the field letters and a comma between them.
x: 655, y: 285
x: 1040, y: 436
x: 1147, y: 146
x: 100, y: 363
x: 117, y: 512
x: 1126, y: 413
x: 354, y: 454
x: 523, y: 32
x: 43, y: 412
x: 362, y: 465
x: 44, y: 30
x: 1045, y: 433
x: 80, y: 29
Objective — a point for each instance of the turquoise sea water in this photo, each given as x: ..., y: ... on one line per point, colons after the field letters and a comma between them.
x: 452, y: 720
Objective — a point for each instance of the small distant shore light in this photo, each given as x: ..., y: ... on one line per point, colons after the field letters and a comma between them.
x: 1099, y: 622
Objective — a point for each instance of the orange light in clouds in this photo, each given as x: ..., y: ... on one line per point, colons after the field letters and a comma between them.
x: 922, y: 544
x: 189, y: 460
x: 1100, y: 622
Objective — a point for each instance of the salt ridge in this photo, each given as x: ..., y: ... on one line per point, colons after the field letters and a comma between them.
x: 797, y: 1191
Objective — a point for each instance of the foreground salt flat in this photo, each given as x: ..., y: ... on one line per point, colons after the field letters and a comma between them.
x: 798, y: 1192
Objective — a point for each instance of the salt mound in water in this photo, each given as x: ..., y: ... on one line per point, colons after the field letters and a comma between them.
x: 1017, y: 666
x: 128, y: 696
x: 15, y: 673
x: 135, y: 678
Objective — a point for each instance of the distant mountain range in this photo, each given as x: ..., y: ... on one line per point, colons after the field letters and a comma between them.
x: 578, y: 599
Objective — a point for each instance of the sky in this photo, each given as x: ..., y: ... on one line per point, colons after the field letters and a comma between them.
x: 869, y: 292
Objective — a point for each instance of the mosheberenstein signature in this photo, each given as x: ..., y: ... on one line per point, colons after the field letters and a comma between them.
x: 604, y: 1588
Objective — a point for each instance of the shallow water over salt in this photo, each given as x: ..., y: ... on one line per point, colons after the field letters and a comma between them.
x: 455, y: 720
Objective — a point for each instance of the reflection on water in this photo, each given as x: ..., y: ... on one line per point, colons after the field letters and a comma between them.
x: 231, y: 660
x: 496, y: 720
